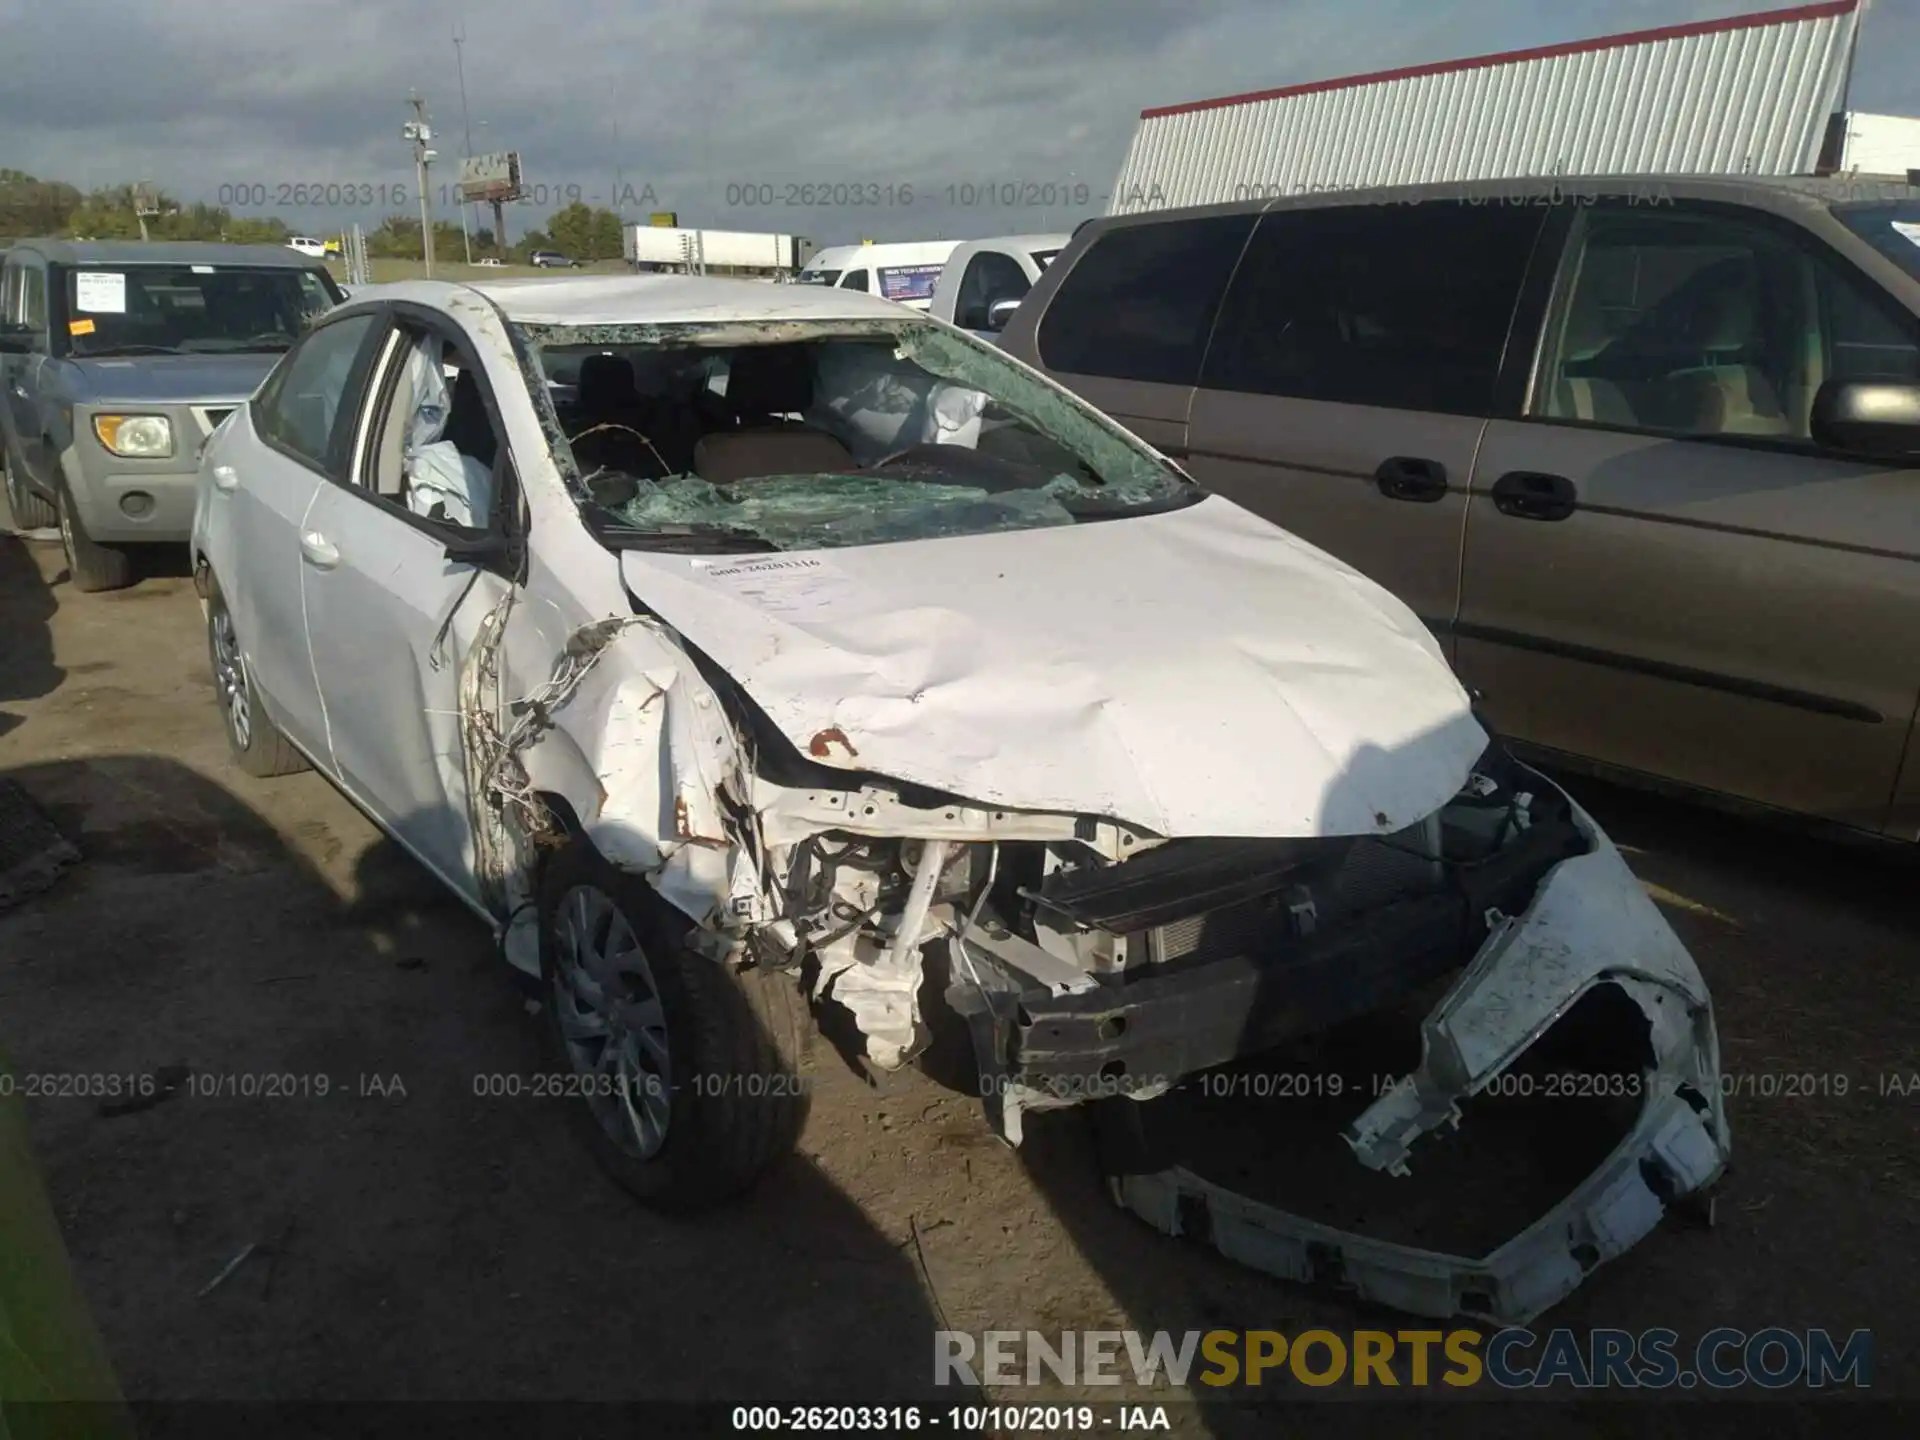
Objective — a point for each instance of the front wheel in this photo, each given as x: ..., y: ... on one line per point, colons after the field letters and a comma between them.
x: 93, y: 566
x: 682, y: 1073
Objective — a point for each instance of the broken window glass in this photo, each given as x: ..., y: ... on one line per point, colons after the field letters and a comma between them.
x: 826, y: 434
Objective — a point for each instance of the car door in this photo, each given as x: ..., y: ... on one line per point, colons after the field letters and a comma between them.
x: 1664, y: 571
x: 290, y: 439
x: 26, y: 315
x: 1127, y: 324
x: 1351, y: 373
x: 394, y: 595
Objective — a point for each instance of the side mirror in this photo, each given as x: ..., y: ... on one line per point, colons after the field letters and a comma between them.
x: 1879, y: 418
x: 16, y: 341
x: 999, y: 313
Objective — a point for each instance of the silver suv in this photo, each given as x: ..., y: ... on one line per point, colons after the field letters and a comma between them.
x: 119, y: 361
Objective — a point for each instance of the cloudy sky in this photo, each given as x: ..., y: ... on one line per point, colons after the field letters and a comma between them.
x: 687, y: 106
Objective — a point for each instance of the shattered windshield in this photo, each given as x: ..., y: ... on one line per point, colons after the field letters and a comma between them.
x: 802, y: 436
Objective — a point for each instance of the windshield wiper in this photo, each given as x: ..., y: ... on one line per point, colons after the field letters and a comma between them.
x: 130, y: 349
x: 700, y: 539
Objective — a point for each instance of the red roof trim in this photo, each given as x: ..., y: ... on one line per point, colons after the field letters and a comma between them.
x: 1513, y: 57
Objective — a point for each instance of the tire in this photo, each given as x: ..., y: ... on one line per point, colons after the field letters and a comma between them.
x: 254, y: 740
x: 698, y: 1089
x: 29, y: 511
x: 94, y: 567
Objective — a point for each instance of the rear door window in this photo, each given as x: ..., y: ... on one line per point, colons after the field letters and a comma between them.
x: 1139, y: 304
x: 1401, y: 306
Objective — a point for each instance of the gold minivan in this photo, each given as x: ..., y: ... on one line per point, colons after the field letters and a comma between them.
x: 1643, y: 452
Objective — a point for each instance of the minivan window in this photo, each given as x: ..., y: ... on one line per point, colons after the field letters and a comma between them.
x: 1401, y: 306
x: 819, y: 277
x: 1892, y: 229
x: 854, y: 280
x: 1138, y: 305
x: 26, y: 298
x: 1712, y: 324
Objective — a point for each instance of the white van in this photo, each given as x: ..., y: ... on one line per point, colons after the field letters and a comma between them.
x: 982, y: 275
x: 907, y: 273
x: 307, y: 245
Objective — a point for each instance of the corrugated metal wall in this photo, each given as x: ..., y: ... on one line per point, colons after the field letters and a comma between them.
x: 1742, y: 97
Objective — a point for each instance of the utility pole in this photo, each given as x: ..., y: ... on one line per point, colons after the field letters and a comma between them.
x: 419, y: 132
x: 466, y: 126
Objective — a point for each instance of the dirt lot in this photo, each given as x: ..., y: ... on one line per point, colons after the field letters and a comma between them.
x: 418, y: 1240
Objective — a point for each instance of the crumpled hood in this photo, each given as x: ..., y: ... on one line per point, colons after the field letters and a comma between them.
x: 174, y: 379
x: 1198, y: 672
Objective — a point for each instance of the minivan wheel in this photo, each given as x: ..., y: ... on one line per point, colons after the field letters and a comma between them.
x: 681, y: 1073
x: 29, y: 511
x: 255, y: 741
x: 93, y: 566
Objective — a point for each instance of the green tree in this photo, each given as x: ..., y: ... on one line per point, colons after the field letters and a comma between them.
x: 106, y: 214
x: 398, y: 236
x: 257, y: 230
x: 585, y: 233
x: 34, y: 207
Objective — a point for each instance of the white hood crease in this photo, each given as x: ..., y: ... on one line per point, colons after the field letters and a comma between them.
x: 1193, y: 673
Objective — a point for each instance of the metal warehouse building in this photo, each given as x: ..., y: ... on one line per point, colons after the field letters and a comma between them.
x: 1751, y: 94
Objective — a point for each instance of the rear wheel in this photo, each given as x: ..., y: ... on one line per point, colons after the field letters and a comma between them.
x: 29, y: 511
x: 257, y: 745
x: 683, y: 1074
x: 93, y: 566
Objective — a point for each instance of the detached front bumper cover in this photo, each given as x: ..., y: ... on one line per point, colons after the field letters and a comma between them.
x: 1590, y: 923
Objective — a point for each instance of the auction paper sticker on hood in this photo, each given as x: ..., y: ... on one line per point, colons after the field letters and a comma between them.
x: 103, y: 292
x: 795, y: 587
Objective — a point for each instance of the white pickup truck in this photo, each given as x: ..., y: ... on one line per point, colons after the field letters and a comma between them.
x: 985, y: 280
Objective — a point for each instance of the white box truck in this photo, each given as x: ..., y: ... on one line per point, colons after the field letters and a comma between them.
x: 1880, y: 147
x: 681, y: 249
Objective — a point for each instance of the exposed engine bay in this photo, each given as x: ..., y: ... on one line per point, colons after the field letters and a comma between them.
x: 1116, y: 963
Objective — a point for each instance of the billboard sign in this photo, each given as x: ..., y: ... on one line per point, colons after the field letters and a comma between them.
x: 491, y: 177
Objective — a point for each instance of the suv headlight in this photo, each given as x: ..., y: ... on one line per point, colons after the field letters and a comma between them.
x: 138, y: 437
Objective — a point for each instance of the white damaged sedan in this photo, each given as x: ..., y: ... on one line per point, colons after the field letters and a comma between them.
x: 739, y: 652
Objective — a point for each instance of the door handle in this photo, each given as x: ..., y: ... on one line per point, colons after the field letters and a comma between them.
x: 20, y: 390
x: 1532, y: 495
x: 319, y: 551
x: 225, y: 477
x: 1408, y: 477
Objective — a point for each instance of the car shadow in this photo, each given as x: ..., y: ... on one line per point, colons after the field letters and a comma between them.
x: 348, y: 1187
x: 27, y: 668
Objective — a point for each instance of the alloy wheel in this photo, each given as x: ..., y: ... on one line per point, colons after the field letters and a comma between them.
x: 612, y: 1020
x: 229, y: 674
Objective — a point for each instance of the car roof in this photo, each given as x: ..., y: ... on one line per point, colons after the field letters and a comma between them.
x: 163, y: 252
x: 646, y: 300
x: 1785, y: 193
x: 1012, y: 242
